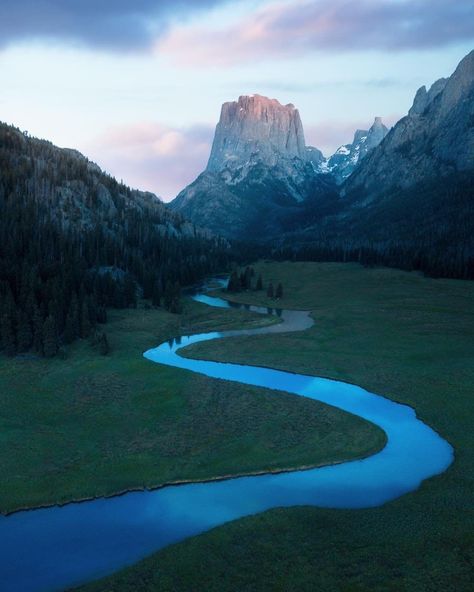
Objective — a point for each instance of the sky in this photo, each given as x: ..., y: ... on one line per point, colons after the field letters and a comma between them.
x: 138, y: 86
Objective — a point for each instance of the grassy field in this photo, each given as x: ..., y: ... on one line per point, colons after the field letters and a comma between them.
x: 92, y: 425
x: 397, y: 334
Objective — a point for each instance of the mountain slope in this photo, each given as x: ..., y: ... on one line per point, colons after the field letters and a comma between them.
x: 436, y: 139
x: 74, y: 241
x: 410, y: 202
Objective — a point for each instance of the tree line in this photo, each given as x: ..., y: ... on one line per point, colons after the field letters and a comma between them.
x: 427, y: 228
x: 75, y: 242
x: 243, y: 280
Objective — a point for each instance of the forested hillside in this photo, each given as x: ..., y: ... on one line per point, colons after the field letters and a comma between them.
x: 74, y: 241
x: 429, y: 228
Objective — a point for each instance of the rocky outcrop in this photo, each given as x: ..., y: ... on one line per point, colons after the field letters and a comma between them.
x: 423, y: 98
x: 435, y: 139
x: 256, y: 129
x: 346, y: 158
x: 316, y: 158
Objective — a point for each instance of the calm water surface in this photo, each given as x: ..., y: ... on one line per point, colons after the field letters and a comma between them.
x: 51, y: 549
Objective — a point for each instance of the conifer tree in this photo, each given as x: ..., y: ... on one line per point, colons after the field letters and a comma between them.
x: 247, y: 278
x: 24, y: 334
x: 8, y: 334
x: 86, y: 326
x: 69, y: 334
x: 104, y: 347
x: 50, y: 337
x: 234, y: 282
x: 38, y: 331
x: 156, y: 294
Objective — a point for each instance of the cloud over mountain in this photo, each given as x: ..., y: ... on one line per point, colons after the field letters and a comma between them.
x: 286, y: 29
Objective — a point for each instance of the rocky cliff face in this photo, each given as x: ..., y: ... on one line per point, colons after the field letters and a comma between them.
x: 259, y: 168
x: 346, y: 158
x: 435, y: 139
x: 424, y: 97
x: 256, y: 129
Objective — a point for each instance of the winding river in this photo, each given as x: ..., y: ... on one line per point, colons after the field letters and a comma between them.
x: 51, y: 549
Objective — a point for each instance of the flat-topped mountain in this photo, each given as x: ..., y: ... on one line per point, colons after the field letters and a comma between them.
x: 256, y: 128
x: 259, y: 170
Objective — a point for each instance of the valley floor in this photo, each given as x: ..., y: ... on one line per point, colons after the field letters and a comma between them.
x: 397, y: 334
x: 92, y: 425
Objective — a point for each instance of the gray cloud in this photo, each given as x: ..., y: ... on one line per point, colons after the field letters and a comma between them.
x: 120, y: 25
x: 295, y: 27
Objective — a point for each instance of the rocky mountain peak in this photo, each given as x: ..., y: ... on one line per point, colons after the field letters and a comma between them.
x: 256, y: 129
x: 376, y: 134
x: 344, y: 161
x: 359, y: 136
x: 423, y: 98
x: 459, y: 85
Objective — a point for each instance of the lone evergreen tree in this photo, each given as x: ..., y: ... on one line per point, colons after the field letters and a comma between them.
x: 259, y: 283
x: 279, y: 291
x: 234, y: 282
x: 104, y: 347
x: 270, y: 290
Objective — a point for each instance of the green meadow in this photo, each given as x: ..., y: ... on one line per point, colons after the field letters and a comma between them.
x: 395, y: 333
x: 93, y: 425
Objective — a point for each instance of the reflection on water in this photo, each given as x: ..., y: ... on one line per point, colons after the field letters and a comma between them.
x: 51, y: 549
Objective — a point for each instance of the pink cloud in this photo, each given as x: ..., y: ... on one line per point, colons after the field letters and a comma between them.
x: 292, y: 28
x: 152, y: 156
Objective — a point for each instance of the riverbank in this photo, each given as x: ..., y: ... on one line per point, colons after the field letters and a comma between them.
x: 92, y: 426
x: 398, y: 334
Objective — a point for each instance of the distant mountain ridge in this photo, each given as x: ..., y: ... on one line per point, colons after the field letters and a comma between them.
x: 347, y: 157
x: 410, y: 202
x: 402, y: 197
x: 435, y: 139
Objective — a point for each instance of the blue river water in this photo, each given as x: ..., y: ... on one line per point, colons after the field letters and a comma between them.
x: 51, y: 549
